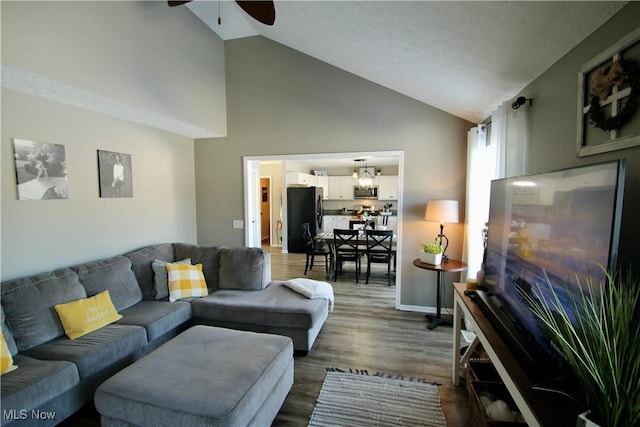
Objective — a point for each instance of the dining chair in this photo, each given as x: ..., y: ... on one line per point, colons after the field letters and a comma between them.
x: 313, y: 248
x: 346, y: 249
x: 379, y: 250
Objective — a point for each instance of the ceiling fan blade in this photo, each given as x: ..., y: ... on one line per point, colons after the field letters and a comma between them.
x: 262, y: 11
x: 178, y: 3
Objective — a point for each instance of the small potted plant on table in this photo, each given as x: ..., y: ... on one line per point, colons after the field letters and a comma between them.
x: 431, y: 252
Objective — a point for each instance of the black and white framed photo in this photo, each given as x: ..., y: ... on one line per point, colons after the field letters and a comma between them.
x: 41, y: 170
x: 115, y: 174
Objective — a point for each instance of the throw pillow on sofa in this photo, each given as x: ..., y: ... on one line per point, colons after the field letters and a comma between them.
x: 6, y: 360
x: 86, y: 315
x: 186, y: 281
x: 160, y: 278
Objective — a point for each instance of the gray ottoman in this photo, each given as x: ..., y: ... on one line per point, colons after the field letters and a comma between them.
x: 206, y: 376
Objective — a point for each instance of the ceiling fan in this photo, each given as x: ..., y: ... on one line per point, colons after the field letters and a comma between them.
x: 263, y: 11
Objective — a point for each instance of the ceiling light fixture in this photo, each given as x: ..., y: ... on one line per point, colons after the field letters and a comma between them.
x: 363, y: 173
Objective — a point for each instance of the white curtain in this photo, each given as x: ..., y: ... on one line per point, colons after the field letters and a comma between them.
x: 509, y: 133
x: 496, y: 150
x: 481, y: 167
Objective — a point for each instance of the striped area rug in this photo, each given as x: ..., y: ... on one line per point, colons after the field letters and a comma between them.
x: 351, y: 399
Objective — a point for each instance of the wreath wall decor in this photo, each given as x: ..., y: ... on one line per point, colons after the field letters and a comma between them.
x: 619, y: 73
x: 609, y: 99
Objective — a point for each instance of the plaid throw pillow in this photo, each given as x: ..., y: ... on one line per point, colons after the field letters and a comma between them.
x: 185, y: 281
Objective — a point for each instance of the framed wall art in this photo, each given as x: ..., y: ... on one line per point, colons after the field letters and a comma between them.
x: 609, y: 99
x: 41, y: 170
x: 115, y: 172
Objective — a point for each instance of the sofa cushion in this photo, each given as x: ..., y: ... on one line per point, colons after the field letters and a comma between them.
x: 157, y: 317
x: 36, y: 382
x: 208, y: 256
x: 36, y: 322
x: 161, y: 279
x: 244, y: 269
x: 86, y: 315
x: 95, y: 351
x: 141, y: 260
x: 112, y: 274
x: 276, y: 305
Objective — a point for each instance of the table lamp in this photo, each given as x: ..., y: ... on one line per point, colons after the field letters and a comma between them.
x: 442, y: 211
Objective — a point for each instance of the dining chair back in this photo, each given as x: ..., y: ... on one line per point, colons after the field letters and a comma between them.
x: 379, y: 250
x: 313, y: 248
x: 346, y: 246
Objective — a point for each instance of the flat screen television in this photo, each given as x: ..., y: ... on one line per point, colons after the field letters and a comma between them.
x: 546, y: 230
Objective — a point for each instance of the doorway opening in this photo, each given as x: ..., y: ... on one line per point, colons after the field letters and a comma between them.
x: 253, y: 195
x: 265, y: 210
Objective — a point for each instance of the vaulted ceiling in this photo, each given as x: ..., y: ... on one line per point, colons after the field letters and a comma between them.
x: 462, y: 57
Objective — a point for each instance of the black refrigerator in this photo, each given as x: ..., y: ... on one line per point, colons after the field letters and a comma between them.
x: 304, y: 204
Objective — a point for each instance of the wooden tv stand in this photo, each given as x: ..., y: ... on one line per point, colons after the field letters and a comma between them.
x: 537, y: 408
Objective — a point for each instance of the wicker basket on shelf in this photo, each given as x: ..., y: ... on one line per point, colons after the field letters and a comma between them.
x: 483, y: 377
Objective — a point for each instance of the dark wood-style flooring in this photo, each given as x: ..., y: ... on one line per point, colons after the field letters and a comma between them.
x: 365, y: 331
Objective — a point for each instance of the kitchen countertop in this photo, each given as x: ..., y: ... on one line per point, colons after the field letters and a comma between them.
x: 340, y: 212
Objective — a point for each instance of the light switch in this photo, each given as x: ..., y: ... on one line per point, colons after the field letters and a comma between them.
x: 238, y: 223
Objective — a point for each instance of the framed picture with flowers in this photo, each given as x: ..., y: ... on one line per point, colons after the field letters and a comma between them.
x: 609, y: 99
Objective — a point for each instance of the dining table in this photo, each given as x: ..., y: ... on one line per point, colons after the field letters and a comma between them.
x: 327, y: 237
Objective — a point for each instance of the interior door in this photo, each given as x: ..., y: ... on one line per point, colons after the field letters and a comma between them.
x: 265, y: 209
x: 252, y: 203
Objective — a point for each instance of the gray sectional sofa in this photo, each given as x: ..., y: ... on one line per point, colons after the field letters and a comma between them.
x: 58, y: 376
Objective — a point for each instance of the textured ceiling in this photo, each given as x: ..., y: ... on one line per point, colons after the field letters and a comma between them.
x: 463, y: 57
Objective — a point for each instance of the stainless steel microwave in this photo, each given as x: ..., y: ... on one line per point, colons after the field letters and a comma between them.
x: 365, y: 192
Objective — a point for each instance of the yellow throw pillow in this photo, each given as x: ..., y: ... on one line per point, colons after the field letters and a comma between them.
x: 6, y: 360
x: 87, y: 315
x: 185, y: 281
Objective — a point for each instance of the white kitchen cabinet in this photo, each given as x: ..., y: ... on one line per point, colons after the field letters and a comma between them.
x: 329, y: 223
x: 341, y: 188
x: 301, y: 178
x: 388, y: 187
x: 335, y: 221
x: 323, y: 182
x: 342, y: 222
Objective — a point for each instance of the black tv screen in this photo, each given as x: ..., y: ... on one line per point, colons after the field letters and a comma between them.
x: 547, y: 230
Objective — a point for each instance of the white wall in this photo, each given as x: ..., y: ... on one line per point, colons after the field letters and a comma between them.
x: 132, y: 52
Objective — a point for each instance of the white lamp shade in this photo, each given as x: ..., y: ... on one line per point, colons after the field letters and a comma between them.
x: 442, y: 211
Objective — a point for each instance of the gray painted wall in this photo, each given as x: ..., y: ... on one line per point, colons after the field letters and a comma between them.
x: 552, y: 123
x: 130, y: 51
x: 40, y: 235
x: 280, y: 101
x: 135, y: 53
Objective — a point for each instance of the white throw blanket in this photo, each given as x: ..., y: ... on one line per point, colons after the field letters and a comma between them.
x: 312, y: 289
